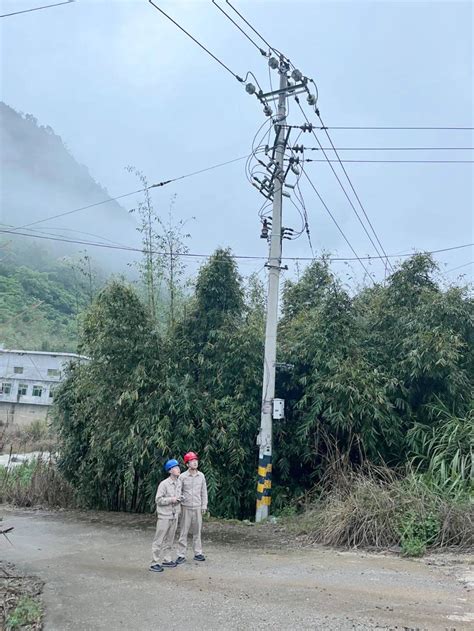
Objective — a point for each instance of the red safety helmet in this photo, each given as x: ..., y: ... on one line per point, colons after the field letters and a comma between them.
x: 190, y: 456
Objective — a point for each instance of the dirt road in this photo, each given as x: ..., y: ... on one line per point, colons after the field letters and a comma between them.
x: 95, y: 566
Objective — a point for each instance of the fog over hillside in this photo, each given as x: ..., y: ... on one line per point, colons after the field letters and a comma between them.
x: 41, y: 178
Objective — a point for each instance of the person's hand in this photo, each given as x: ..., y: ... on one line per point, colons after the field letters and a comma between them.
x: 174, y: 500
x: 203, y: 511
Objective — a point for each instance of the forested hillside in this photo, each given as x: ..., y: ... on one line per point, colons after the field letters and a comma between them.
x: 41, y: 296
x: 45, y: 284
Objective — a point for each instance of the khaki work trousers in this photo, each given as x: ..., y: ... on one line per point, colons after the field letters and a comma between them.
x: 191, y: 522
x: 162, y: 547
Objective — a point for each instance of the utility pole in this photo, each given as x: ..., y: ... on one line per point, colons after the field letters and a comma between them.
x: 264, y: 440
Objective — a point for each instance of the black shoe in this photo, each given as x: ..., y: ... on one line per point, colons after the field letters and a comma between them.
x: 169, y: 564
x: 156, y: 568
x: 199, y: 557
x: 180, y: 560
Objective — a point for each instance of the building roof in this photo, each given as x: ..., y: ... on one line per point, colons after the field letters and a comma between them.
x: 50, y: 353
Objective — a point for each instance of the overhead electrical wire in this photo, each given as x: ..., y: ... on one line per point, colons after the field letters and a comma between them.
x: 393, y: 161
x: 402, y: 128
x: 141, y: 190
x: 57, y: 229
x: 260, y: 50
x: 250, y: 26
x: 358, y: 258
x: 344, y: 190
x: 453, y: 269
x: 197, y: 42
x: 47, y: 6
x: 352, y: 185
x: 236, y: 256
x: 390, y: 149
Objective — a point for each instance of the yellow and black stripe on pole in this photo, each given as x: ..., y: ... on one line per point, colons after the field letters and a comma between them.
x: 264, y: 485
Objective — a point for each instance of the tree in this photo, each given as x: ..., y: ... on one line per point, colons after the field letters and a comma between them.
x: 174, y: 268
x: 151, y: 266
x: 383, y: 376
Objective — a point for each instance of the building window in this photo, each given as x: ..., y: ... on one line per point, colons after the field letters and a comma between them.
x: 54, y: 372
x: 22, y: 389
x: 37, y: 391
x: 51, y: 392
x: 18, y: 370
x: 6, y: 388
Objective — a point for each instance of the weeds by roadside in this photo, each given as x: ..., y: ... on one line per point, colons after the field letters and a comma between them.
x: 27, y: 613
x: 36, y: 483
x: 20, y: 600
x: 377, y: 508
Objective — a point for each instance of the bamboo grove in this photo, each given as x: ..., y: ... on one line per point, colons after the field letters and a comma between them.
x: 381, y: 376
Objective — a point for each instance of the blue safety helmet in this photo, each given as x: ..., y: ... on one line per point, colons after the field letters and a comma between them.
x: 170, y: 464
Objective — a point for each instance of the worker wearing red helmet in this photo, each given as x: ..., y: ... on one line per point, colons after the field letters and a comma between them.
x: 193, y: 506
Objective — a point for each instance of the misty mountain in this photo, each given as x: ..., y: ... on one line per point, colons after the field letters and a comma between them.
x: 41, y: 178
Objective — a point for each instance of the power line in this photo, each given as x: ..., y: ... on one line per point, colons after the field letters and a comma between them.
x: 236, y: 256
x: 344, y: 190
x: 390, y: 149
x: 260, y: 50
x: 141, y: 190
x: 249, y: 25
x: 353, y: 189
x: 52, y: 232
x: 402, y: 128
x: 197, y: 42
x: 453, y: 269
x: 48, y: 6
x: 358, y: 258
x: 395, y: 161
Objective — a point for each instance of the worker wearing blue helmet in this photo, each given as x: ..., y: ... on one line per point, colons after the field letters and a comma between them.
x: 168, y: 497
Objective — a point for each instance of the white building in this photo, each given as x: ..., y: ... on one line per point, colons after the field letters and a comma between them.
x: 27, y: 382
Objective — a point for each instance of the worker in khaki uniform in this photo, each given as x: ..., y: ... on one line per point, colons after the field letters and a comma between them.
x: 193, y: 506
x: 168, y: 498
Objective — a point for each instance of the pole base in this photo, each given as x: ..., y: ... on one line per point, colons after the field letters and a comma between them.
x: 261, y: 513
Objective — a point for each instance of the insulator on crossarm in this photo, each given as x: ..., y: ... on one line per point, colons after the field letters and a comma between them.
x: 295, y: 169
x: 297, y: 74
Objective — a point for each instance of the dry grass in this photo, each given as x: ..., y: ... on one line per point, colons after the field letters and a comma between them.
x: 38, y: 436
x: 36, y: 483
x: 375, y: 508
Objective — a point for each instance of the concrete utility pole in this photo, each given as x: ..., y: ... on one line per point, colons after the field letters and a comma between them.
x: 264, y: 487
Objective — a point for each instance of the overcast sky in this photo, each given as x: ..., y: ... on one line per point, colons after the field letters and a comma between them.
x: 122, y: 85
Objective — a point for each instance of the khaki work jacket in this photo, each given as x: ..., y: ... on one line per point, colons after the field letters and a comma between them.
x: 166, y: 490
x: 193, y: 490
